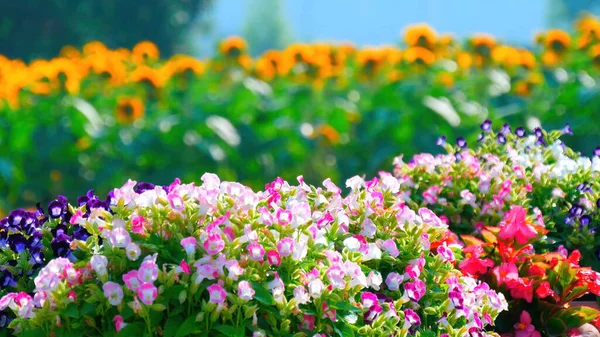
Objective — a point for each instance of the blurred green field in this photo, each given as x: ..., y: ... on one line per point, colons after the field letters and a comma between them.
x: 93, y: 118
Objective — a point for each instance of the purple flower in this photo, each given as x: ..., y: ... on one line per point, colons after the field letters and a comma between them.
x: 480, y: 137
x: 505, y: 129
x: 598, y: 203
x: 456, y: 298
x: 576, y: 210
x: 415, y: 290
x: 541, y: 141
x: 7, y: 279
x: 372, y: 313
x: 501, y: 139
x: 538, y: 132
x: 412, y: 317
x: 566, y: 130
x: 15, y: 218
x: 441, y: 141
x: 458, y: 156
x: 142, y: 187
x: 520, y: 132
x: 585, y: 220
x: 570, y: 220
x: 368, y: 299
x: 486, y: 126
x: 17, y: 242
x: 597, y: 151
x: 461, y: 142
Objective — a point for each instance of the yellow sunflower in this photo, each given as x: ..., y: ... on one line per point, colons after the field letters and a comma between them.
x: 129, y: 109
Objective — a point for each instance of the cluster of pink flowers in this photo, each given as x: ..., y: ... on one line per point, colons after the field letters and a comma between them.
x: 220, y: 257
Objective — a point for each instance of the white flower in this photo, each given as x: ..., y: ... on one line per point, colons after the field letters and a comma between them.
x: 352, y: 244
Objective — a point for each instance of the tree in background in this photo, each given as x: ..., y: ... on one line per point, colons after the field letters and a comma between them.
x: 32, y: 28
x: 562, y: 13
x: 265, y: 26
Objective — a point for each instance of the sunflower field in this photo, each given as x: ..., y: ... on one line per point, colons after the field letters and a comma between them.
x: 91, y: 117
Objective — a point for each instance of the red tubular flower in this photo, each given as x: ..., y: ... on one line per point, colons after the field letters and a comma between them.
x: 536, y: 270
x: 574, y: 258
x: 472, y: 264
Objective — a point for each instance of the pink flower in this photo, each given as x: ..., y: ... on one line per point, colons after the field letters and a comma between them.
x: 75, y: 217
x: 148, y: 271
x: 393, y: 281
x: 234, y: 268
x: 176, y: 202
x: 308, y: 323
x: 205, y: 271
x: 368, y: 299
x: 412, y: 271
x: 412, y: 318
x: 132, y: 280
x: 301, y: 295
x: 137, y: 225
x: 430, y: 218
x: 273, y: 258
x: 284, y: 217
x: 285, y: 246
x: 214, y: 243
x: 21, y: 302
x: 217, y: 293
x: 335, y: 275
x: 415, y: 290
x: 390, y: 246
x: 189, y: 245
x: 445, y: 253
x: 315, y: 288
x: 119, y: 237
x: 147, y: 293
x: 257, y: 251
x: 520, y: 288
x: 133, y: 251
x: 184, y: 267
x: 505, y: 272
x: 113, y: 292
x: 329, y: 313
x: 514, y: 225
x: 245, y: 290
x: 119, y: 324
x: 99, y: 263
x: 524, y: 328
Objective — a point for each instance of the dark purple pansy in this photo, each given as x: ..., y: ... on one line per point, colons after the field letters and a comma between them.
x: 111, y: 200
x: 593, y: 231
x: 4, y: 320
x: 538, y: 132
x: 141, y: 187
x: 520, y: 132
x: 37, y: 257
x: 570, y: 220
x: 97, y: 203
x: 3, y: 238
x: 56, y: 209
x: 61, y: 246
x: 15, y: 218
x: 501, y: 139
x: 598, y: 203
x: 541, y: 141
x: 597, y: 151
x: 80, y: 233
x: 505, y: 129
x: 458, y: 156
x: 486, y: 126
x: 441, y: 141
x: 372, y: 313
x: 585, y: 220
x: 461, y: 142
x: 35, y: 240
x: 576, y: 210
x: 17, y: 242
x: 581, y: 186
x: 566, y: 130
x: 480, y: 137
x: 7, y: 279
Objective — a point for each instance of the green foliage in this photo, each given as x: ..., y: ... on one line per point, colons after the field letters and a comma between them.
x: 34, y: 29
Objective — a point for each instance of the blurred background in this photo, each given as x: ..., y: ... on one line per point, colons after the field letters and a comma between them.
x: 93, y: 93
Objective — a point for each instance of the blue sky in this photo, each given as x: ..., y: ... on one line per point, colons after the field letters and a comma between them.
x: 373, y: 22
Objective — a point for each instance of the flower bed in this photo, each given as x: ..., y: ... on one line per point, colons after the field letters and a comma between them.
x: 220, y: 259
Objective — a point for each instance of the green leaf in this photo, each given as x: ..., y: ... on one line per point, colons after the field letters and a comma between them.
x: 345, y: 306
x: 172, y: 324
x: 71, y: 311
x: 229, y: 330
x: 186, y: 327
x: 132, y: 329
x: 555, y: 327
x: 262, y: 294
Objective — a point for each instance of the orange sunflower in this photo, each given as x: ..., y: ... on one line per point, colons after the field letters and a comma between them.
x: 483, y: 44
x: 129, y: 109
x: 233, y: 46
x: 420, y: 35
x: 145, y: 51
x: 557, y: 40
x: 419, y: 56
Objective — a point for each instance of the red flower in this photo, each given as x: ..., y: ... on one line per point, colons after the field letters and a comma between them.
x: 472, y: 264
x: 591, y: 279
x: 515, y: 226
x: 574, y: 258
x: 524, y: 328
x: 506, y: 272
x: 521, y: 289
x: 536, y: 270
x: 544, y: 291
